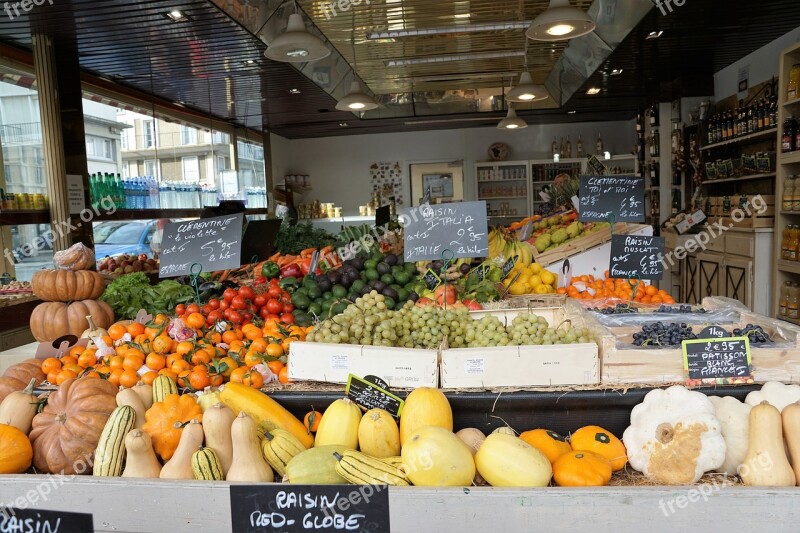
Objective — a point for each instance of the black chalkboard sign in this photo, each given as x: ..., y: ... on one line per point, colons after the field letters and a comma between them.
x: 383, y: 215
x: 40, y: 521
x: 431, y: 279
x: 717, y: 357
x: 373, y: 393
x: 458, y: 227
x: 620, y: 197
x: 213, y: 243
x: 636, y: 257
x: 509, y: 265
x: 318, y: 508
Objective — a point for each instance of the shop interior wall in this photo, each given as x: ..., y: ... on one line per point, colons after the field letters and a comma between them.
x: 762, y: 64
x: 339, y: 166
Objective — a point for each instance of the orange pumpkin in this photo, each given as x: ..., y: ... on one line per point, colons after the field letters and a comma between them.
x: 66, y: 432
x: 582, y: 469
x: 602, y: 442
x: 15, y: 450
x: 66, y: 285
x: 51, y: 320
x: 550, y: 443
x: 16, y: 377
x: 164, y: 422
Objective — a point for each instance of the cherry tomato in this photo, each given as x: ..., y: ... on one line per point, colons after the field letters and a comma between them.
x: 247, y: 292
x: 206, y: 309
x: 271, y: 316
x: 214, y: 316
x: 275, y: 292
x: 288, y: 308
x: 246, y: 317
x: 180, y: 309
x: 274, y: 306
x: 229, y: 294
x: 214, y: 303
x: 192, y: 308
x: 287, y: 318
x: 252, y: 308
x: 224, y: 304
x: 260, y: 300
x: 238, y: 303
x: 264, y: 313
x: 233, y: 316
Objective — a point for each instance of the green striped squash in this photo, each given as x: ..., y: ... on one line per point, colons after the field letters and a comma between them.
x: 109, y: 456
x: 162, y: 386
x: 206, y: 465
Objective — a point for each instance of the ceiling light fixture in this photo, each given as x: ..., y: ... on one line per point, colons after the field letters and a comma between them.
x: 559, y: 22
x: 249, y: 62
x: 526, y: 90
x: 427, y: 60
x: 593, y: 90
x: 356, y: 99
x: 462, y: 28
x: 344, y: 124
x: 296, y: 45
x: 571, y: 112
x: 176, y: 15
x: 512, y: 121
x: 653, y: 35
x: 616, y: 72
x: 294, y: 91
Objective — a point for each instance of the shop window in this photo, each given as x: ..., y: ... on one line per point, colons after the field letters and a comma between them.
x: 251, y: 164
x: 26, y: 249
x: 191, y: 169
x: 20, y: 135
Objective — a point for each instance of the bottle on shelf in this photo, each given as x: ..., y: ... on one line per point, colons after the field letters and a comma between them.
x: 554, y: 148
x: 787, y: 202
x: 654, y: 116
x: 785, y: 242
x: 793, y: 302
x: 789, y: 137
x: 563, y: 149
x: 655, y: 144
x: 569, y: 148
x: 773, y: 111
x: 654, y: 178
x: 783, y: 302
x: 676, y: 202
x: 599, y: 145
x: 794, y: 243
x: 580, y: 146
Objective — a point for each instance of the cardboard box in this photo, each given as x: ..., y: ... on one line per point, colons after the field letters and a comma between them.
x: 332, y: 363
x: 520, y: 366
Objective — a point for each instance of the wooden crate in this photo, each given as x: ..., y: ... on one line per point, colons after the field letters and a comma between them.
x: 581, y: 244
x: 624, y: 363
x: 765, y: 219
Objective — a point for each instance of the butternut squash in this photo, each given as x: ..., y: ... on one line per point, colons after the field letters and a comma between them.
x: 339, y: 425
x: 791, y: 432
x: 248, y: 461
x: 378, y: 434
x: 424, y: 406
x: 19, y: 407
x: 145, y: 392
x: 141, y: 460
x: 217, y: 421
x: 765, y: 464
x: 130, y: 398
x: 179, y: 465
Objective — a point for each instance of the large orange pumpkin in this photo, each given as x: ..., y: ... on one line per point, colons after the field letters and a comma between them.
x: 16, y: 377
x: 67, y: 286
x: 15, y: 450
x: 66, y: 432
x: 51, y: 320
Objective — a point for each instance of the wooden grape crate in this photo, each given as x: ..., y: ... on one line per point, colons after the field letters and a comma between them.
x: 624, y: 363
x: 765, y: 219
x: 581, y: 244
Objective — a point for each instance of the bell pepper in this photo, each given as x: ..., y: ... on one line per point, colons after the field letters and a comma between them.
x: 260, y: 280
x: 291, y: 271
x: 289, y: 284
x: 270, y: 270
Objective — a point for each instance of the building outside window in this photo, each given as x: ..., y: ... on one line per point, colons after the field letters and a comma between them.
x: 151, y: 168
x: 191, y: 169
x: 188, y: 136
x: 149, y: 133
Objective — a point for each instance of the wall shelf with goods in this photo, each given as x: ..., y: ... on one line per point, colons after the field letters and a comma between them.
x: 511, y: 188
x: 148, y: 214
x: 786, y: 279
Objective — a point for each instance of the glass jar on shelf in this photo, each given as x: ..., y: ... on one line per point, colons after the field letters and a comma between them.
x: 788, y: 199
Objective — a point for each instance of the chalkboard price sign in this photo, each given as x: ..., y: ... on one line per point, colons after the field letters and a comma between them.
x: 509, y: 265
x: 717, y: 360
x: 318, y: 508
x: 458, y: 227
x: 619, y: 196
x: 431, y: 279
x: 39, y: 521
x: 637, y: 257
x: 213, y: 243
x: 373, y: 393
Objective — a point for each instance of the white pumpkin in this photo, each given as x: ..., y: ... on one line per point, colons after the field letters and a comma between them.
x: 735, y: 419
x: 674, y: 436
x: 776, y: 394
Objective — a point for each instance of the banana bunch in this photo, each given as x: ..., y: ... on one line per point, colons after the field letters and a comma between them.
x: 497, y: 243
x: 520, y: 249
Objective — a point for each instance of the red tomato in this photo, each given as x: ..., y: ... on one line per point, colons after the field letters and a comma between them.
x: 229, y: 294
x: 233, y: 316
x: 180, y: 309
x: 274, y: 306
x: 224, y: 304
x: 287, y: 318
x: 206, y: 309
x: 192, y: 308
x: 264, y: 313
x: 238, y: 303
x: 260, y: 280
x: 247, y: 317
x: 252, y: 308
x: 260, y: 300
x: 275, y: 292
x: 247, y: 292
x: 214, y: 316
x: 274, y: 282
x: 288, y: 308
x: 271, y: 316
x: 214, y: 303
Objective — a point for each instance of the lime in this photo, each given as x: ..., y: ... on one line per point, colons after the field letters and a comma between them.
x: 388, y: 279
x: 339, y: 291
x: 372, y: 274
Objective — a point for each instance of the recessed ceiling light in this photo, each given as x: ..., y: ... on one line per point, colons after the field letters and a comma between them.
x: 176, y: 15
x: 462, y: 15
x: 294, y: 91
x: 249, y: 62
x: 653, y: 35
x: 616, y: 72
x: 462, y: 28
x: 344, y: 124
x: 426, y: 60
x: 593, y: 90
x: 571, y: 112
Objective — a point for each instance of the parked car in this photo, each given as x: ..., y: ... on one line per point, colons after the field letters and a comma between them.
x: 124, y: 237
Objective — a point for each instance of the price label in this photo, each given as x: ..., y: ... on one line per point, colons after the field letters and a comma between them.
x: 717, y: 358
x: 373, y: 393
x: 460, y: 228
x: 509, y: 265
x: 214, y: 243
x: 603, y: 196
x: 320, y: 508
x: 636, y: 257
x: 432, y: 280
x: 41, y: 521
